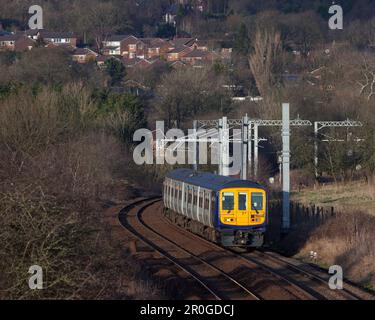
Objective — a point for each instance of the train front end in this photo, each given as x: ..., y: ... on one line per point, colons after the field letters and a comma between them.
x: 242, y: 215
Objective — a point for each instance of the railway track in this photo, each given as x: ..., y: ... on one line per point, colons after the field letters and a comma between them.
x: 315, y: 285
x: 223, y: 273
x: 349, y: 292
x: 220, y: 285
x: 302, y: 291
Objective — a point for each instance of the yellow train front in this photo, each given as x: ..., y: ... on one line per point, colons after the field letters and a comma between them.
x: 225, y: 210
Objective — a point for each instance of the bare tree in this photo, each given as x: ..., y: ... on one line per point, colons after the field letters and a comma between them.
x: 267, y: 47
x: 367, y: 83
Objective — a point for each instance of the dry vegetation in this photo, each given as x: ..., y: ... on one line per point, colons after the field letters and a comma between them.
x: 351, y: 196
x: 58, y: 168
x: 348, y: 241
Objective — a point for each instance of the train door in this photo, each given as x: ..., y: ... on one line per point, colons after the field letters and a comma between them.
x: 243, y: 208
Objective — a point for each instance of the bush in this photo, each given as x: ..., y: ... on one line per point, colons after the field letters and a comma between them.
x: 56, y: 172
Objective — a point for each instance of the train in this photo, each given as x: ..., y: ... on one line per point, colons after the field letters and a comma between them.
x: 228, y: 211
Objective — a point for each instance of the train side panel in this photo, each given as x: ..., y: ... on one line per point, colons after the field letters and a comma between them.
x: 193, y: 202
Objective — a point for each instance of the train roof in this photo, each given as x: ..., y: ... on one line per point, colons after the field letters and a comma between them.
x: 209, y: 180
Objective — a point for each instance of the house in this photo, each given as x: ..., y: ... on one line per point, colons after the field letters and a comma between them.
x: 133, y: 48
x: 8, y: 42
x: 124, y: 45
x: 226, y: 53
x: 33, y: 34
x: 136, y: 88
x: 156, y: 47
x: 58, y: 38
x: 114, y: 45
x: 177, y: 53
x: 200, y: 45
x: 198, y: 57
x: 177, y: 64
x: 136, y: 62
x: 84, y: 55
x: 16, y: 42
x: 100, y: 60
x: 182, y: 42
x: 144, y: 48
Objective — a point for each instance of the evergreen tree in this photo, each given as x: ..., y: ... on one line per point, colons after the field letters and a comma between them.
x: 242, y: 40
x: 115, y: 70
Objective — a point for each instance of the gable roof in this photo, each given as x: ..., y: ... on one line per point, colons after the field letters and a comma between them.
x: 32, y: 32
x: 155, y: 42
x: 179, y: 49
x: 24, y: 43
x: 117, y: 37
x: 83, y: 51
x: 11, y: 37
x: 196, y: 53
x: 179, y: 42
x: 52, y: 34
x: 131, y: 40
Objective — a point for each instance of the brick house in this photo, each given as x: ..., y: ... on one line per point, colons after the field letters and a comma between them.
x: 133, y: 48
x: 33, y: 34
x: 182, y: 42
x: 136, y: 62
x: 198, y: 56
x: 114, y: 45
x: 156, y: 47
x: 178, y: 53
x: 58, y: 38
x: 124, y: 45
x: 200, y: 45
x: 84, y: 55
x: 16, y: 42
x: 101, y: 60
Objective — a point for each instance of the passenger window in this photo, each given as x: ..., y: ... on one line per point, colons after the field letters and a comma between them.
x: 242, y: 201
x: 228, y: 201
x: 256, y: 201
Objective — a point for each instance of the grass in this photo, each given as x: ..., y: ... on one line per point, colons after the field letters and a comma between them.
x: 346, y: 239
x: 354, y: 196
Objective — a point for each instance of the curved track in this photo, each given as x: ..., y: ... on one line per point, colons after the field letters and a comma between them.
x: 223, y: 273
x: 218, y: 284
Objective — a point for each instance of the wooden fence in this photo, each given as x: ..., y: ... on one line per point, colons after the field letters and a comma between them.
x: 301, y: 214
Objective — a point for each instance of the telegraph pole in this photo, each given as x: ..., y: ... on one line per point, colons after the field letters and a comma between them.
x: 245, y: 139
x: 256, y: 150
x: 316, y: 149
x: 286, y: 167
x: 250, y: 149
x: 225, y: 147
x: 196, y: 146
x: 220, y: 155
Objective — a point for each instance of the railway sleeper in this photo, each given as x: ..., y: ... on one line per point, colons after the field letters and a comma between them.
x: 193, y: 226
